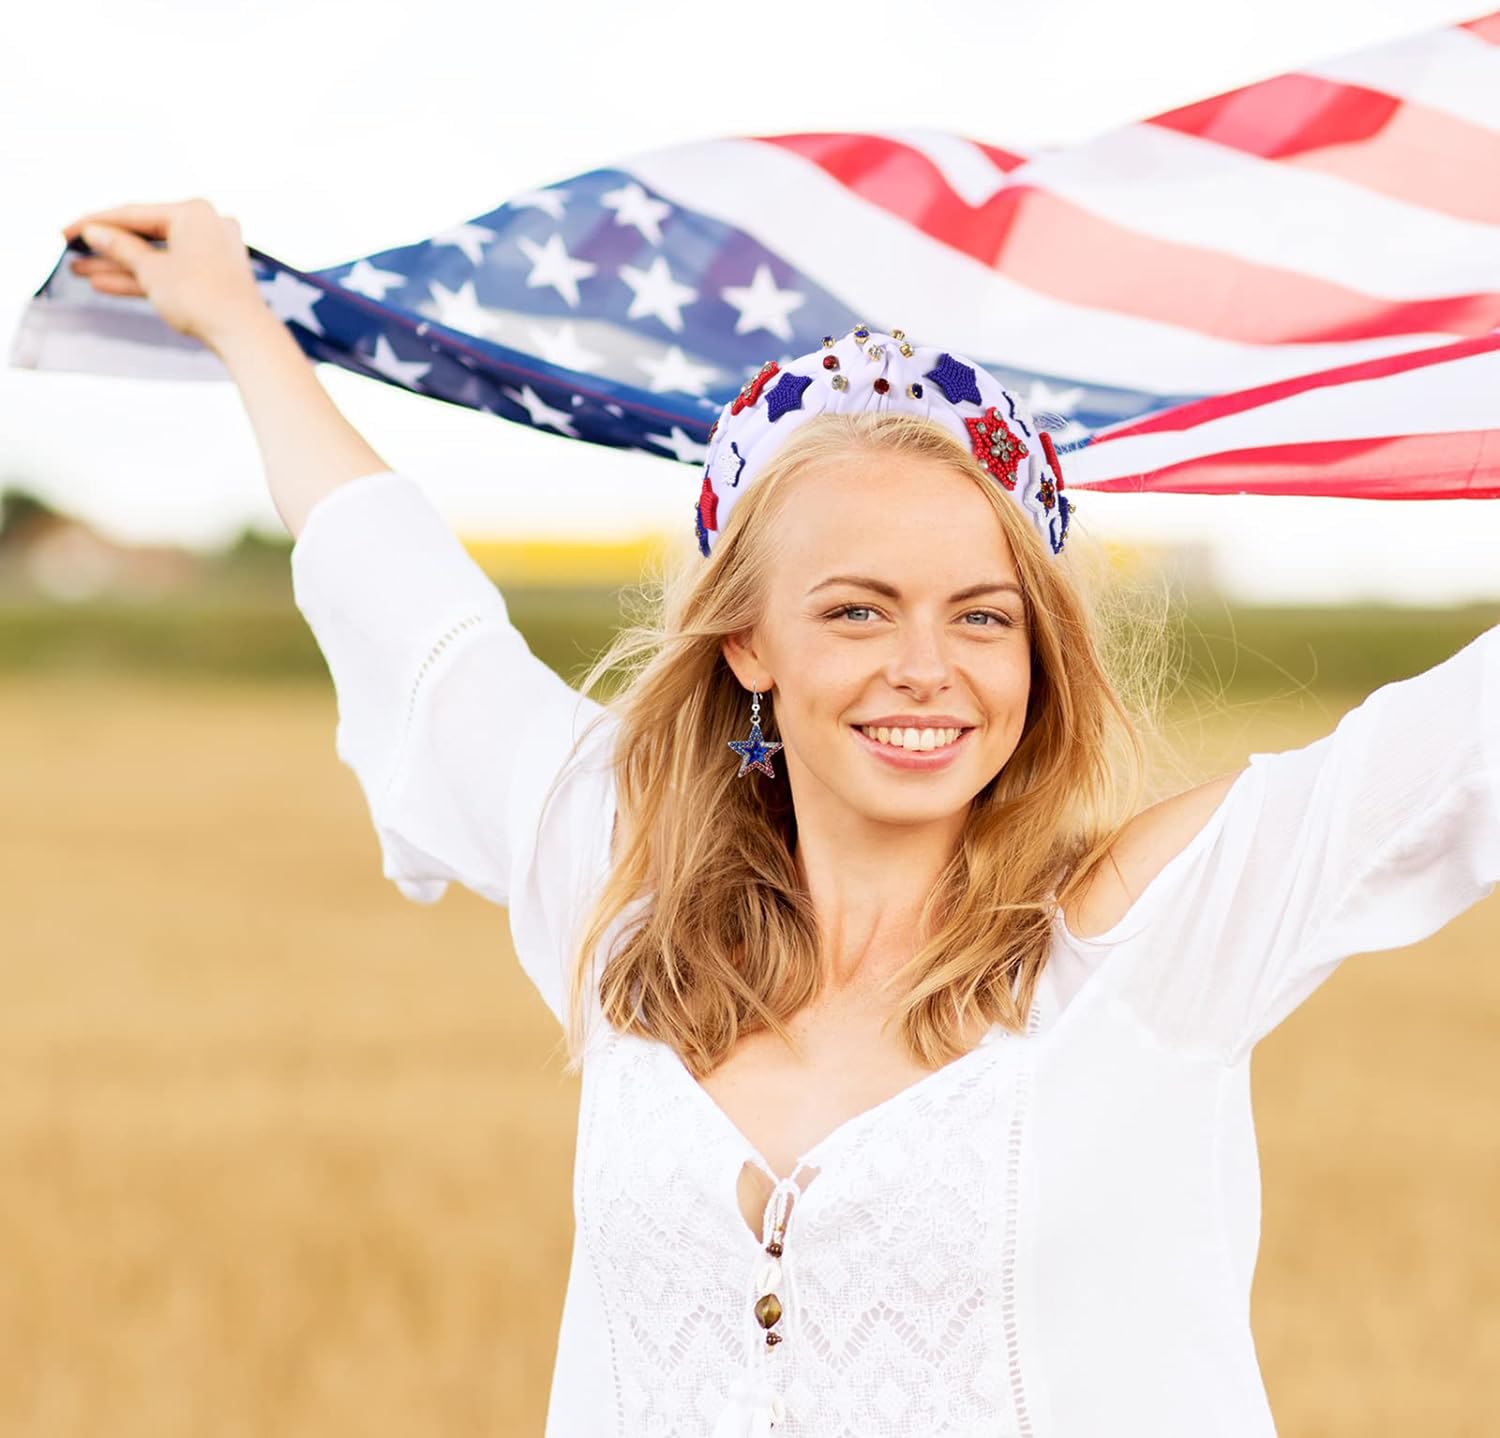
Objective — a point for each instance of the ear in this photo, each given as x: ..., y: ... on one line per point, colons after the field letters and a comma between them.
x: 742, y: 656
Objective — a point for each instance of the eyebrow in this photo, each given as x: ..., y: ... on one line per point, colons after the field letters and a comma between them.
x: 890, y: 591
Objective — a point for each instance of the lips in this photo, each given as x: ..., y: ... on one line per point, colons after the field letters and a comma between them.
x: 912, y: 759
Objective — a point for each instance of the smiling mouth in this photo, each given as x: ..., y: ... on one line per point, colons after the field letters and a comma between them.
x: 912, y: 741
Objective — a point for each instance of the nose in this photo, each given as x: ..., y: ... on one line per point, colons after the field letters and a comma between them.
x: 920, y: 661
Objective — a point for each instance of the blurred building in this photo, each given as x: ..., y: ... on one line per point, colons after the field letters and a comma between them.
x: 50, y: 555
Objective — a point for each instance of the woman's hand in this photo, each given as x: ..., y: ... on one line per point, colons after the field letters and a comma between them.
x: 199, y: 280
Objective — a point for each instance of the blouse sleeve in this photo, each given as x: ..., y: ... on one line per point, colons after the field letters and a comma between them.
x: 458, y: 734
x: 1373, y: 837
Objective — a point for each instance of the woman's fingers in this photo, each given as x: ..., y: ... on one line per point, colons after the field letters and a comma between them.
x: 129, y: 250
x: 117, y: 284
x: 149, y: 220
x: 95, y: 265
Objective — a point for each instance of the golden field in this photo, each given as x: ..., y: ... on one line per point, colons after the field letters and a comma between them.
x: 285, y: 1154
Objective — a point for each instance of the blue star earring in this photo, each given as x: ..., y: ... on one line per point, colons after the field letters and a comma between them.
x: 754, y: 752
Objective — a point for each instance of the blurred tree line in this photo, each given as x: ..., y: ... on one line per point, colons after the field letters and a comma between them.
x: 236, y: 619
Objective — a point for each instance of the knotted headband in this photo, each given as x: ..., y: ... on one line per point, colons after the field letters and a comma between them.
x: 866, y: 370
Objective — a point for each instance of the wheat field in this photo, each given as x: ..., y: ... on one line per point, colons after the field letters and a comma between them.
x: 285, y: 1154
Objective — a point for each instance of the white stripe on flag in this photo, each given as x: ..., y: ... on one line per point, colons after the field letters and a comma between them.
x: 1454, y: 395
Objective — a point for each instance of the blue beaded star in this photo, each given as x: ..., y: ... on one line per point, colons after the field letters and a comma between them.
x: 755, y: 753
x: 955, y: 379
x: 786, y: 395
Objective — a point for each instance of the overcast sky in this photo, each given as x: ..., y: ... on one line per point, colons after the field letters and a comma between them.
x: 332, y: 130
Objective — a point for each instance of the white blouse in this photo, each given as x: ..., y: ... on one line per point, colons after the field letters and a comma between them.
x: 1052, y: 1236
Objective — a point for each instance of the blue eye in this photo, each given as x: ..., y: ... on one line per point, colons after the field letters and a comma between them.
x: 1001, y: 620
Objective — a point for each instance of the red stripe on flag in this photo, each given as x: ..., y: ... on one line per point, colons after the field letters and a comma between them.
x: 1462, y: 464
x: 1052, y: 246
x: 1006, y: 160
x: 1287, y: 115
x: 1486, y: 27
x: 904, y: 182
x: 1360, y: 135
x: 1218, y: 406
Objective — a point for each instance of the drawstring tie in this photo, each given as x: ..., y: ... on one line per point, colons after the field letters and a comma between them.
x: 754, y: 1406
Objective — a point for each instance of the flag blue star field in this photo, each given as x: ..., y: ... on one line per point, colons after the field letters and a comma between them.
x: 1292, y: 287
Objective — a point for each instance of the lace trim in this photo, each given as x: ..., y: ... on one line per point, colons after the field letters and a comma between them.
x: 438, y: 648
x: 1014, y: 1140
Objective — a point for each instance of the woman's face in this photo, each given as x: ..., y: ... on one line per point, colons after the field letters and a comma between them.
x: 894, y: 605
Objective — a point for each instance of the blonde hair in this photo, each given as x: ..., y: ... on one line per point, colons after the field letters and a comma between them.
x: 726, y: 942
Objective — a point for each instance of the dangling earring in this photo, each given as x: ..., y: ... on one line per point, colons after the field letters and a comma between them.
x: 754, y: 752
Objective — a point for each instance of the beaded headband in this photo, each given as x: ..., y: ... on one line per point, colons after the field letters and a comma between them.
x: 865, y: 370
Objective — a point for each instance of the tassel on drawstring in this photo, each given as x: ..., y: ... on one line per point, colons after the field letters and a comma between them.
x: 753, y: 1407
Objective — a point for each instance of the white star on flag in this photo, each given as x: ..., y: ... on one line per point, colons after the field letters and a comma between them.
x: 403, y: 372
x: 762, y: 306
x: 674, y: 370
x: 470, y: 239
x: 292, y: 299
x: 549, y: 201
x: 563, y: 347
x: 657, y: 293
x: 460, y: 310
x: 551, y: 264
x: 540, y: 411
x: 633, y: 206
x: 364, y: 279
x: 684, y: 446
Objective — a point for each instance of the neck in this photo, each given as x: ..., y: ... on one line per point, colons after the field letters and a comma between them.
x: 868, y: 882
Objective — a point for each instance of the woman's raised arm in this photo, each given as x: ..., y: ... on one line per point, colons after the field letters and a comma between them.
x: 456, y: 731
x: 1370, y: 838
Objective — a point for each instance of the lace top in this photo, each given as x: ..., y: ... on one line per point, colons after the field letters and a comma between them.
x: 1052, y: 1236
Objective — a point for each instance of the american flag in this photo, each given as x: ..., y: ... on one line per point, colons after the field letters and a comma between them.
x: 1291, y: 287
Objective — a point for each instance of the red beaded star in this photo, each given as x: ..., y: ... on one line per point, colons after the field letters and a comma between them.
x: 997, y: 447
x: 751, y: 392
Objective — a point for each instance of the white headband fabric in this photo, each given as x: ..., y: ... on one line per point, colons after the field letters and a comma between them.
x: 867, y: 370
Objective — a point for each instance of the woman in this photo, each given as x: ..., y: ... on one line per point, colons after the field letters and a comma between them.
x: 915, y: 1065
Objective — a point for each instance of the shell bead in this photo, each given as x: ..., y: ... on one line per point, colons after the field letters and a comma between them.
x: 769, y: 1276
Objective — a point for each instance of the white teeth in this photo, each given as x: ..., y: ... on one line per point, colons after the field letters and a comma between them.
x: 918, y: 739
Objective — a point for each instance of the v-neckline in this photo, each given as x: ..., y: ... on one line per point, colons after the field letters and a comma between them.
x: 751, y: 1152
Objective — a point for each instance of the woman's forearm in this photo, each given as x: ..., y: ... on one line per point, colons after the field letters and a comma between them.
x: 306, y: 444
